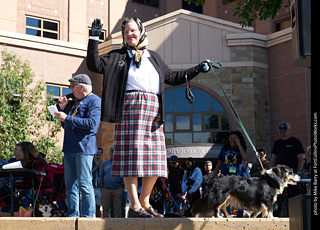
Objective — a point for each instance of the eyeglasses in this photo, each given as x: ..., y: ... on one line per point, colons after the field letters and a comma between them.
x: 130, y: 31
x: 71, y: 86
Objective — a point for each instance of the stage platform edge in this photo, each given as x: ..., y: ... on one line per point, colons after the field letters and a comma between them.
x: 55, y: 223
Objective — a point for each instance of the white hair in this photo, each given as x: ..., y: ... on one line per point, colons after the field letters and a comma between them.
x: 87, y: 88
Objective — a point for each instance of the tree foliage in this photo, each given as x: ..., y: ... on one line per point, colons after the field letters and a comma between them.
x: 23, y: 113
x: 251, y: 10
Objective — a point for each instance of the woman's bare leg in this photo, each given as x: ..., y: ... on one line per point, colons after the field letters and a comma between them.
x: 131, y: 184
x: 147, y: 185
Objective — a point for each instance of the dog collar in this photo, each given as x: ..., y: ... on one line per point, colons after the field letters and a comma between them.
x: 271, y: 174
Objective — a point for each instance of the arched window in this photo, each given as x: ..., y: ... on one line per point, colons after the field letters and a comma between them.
x: 205, y: 121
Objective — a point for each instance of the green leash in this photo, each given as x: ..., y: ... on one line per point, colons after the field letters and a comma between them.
x: 218, y: 65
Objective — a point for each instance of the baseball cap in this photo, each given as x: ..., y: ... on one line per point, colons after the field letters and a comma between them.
x: 81, y: 78
x: 284, y: 127
x: 173, y: 158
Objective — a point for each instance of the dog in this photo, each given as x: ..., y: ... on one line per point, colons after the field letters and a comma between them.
x: 44, y: 208
x: 255, y: 195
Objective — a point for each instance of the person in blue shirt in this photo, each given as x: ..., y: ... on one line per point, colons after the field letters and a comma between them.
x: 191, y: 183
x: 231, y: 155
x: 111, y: 188
x: 80, y: 125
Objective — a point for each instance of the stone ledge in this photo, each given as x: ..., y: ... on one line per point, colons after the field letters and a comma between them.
x: 56, y: 223
x: 37, y: 223
x: 184, y: 224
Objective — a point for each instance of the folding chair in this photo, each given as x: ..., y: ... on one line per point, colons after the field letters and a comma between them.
x: 56, y: 175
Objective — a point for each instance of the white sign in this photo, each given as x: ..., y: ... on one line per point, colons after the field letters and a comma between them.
x: 195, y: 151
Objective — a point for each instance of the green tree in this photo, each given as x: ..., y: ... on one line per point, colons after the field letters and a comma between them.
x: 23, y: 113
x: 251, y: 10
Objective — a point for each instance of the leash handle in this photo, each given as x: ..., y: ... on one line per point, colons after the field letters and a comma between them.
x: 214, y: 64
x: 218, y: 65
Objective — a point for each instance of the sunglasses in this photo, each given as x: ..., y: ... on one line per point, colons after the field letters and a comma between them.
x: 71, y: 86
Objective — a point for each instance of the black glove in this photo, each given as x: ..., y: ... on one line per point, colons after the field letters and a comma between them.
x: 96, y: 28
x: 203, y: 67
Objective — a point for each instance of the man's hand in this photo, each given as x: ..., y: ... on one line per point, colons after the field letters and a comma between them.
x: 63, y: 101
x: 61, y: 116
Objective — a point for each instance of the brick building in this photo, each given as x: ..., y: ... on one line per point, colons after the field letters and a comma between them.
x: 258, y: 73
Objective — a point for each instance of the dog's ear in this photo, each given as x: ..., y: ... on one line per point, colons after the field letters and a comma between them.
x: 284, y: 171
x: 277, y: 170
x: 287, y: 168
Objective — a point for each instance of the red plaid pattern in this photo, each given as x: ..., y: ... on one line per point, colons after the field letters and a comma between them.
x: 139, y: 143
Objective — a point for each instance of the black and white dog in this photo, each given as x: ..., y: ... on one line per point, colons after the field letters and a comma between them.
x: 255, y: 195
x: 44, y: 208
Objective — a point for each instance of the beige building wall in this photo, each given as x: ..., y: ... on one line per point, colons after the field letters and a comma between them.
x: 8, y: 15
x: 77, y: 20
x: 53, y: 10
x: 74, y: 16
x: 117, y: 13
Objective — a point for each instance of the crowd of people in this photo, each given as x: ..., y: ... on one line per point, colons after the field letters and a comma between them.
x: 132, y: 98
x: 183, y: 186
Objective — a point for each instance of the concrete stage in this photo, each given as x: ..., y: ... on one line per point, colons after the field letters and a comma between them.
x: 56, y: 223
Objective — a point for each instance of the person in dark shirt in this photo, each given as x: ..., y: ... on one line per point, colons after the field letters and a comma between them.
x: 207, y: 178
x: 175, y: 176
x: 287, y: 150
x: 256, y: 168
x: 32, y: 159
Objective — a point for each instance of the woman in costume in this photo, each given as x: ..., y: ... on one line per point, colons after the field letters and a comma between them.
x: 133, y: 98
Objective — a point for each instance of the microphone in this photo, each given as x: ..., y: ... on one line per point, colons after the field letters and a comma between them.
x: 70, y: 95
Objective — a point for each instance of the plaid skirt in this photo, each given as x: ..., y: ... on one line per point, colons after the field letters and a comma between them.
x: 139, y: 143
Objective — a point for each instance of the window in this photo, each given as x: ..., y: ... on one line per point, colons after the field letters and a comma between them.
x: 56, y: 91
x: 191, y: 7
x: 205, y: 121
x: 281, y: 25
x: 153, y: 3
x: 42, y: 27
x: 102, y: 36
